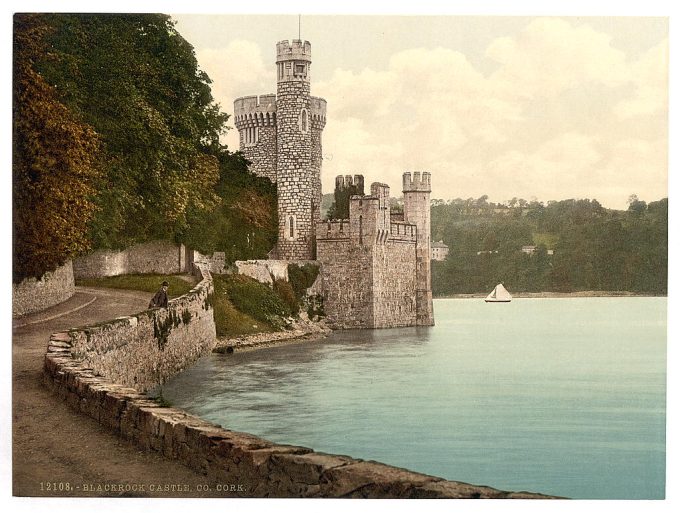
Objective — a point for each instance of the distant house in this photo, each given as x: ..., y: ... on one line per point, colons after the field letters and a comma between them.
x: 530, y: 250
x: 439, y: 250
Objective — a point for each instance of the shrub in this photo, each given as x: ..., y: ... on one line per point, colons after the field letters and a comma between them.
x: 301, y: 277
x: 285, y: 291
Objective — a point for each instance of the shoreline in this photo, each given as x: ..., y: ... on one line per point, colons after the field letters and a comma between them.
x: 302, y: 331
x: 305, y: 330
x: 552, y: 295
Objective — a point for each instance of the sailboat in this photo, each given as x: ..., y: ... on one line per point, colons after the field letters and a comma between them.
x: 499, y: 295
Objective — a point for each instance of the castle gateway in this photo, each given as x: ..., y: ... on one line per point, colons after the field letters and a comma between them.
x: 375, y: 264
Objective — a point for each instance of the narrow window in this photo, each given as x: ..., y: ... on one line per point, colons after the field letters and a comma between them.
x: 303, y: 121
x: 291, y: 227
x: 361, y: 230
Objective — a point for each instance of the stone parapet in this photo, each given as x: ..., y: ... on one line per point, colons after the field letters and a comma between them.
x: 262, y: 468
x: 146, y: 349
x: 336, y: 229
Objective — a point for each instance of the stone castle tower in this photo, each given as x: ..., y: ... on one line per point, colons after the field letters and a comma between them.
x: 374, y: 263
x: 416, y: 191
x: 281, y: 135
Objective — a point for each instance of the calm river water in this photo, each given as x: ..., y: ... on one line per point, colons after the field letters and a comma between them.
x: 559, y: 396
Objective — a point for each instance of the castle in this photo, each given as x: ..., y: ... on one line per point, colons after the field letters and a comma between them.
x: 375, y: 264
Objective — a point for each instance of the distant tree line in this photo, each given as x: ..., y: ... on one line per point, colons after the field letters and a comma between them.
x: 594, y: 248
x: 116, y: 140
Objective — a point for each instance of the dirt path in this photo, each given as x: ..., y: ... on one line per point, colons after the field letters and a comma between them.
x: 55, y: 447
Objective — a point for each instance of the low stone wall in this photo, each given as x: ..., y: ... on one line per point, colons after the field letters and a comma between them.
x: 264, y: 271
x: 260, y: 467
x: 160, y: 257
x: 215, y: 263
x: 146, y: 349
x: 100, y: 371
x: 52, y: 288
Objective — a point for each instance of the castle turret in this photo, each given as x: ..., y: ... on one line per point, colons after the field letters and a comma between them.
x: 417, y: 211
x: 255, y: 120
x: 298, y: 177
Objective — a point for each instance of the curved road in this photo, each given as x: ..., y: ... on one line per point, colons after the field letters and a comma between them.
x: 53, y: 444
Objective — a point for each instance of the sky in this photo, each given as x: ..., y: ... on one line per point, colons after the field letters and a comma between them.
x: 543, y: 108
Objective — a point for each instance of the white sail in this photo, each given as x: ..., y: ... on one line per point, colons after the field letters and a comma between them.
x: 498, y: 294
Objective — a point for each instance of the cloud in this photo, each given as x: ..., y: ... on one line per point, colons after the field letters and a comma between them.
x: 546, y: 122
x: 236, y: 70
x: 559, y: 112
x: 650, y: 77
x: 551, y: 55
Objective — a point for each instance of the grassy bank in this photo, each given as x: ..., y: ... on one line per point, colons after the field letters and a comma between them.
x: 242, y: 305
x: 145, y: 282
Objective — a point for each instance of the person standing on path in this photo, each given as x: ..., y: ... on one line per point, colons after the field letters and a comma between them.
x: 160, y: 299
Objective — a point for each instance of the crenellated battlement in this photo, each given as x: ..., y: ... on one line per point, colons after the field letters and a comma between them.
x: 418, y: 183
x: 317, y: 111
x: 405, y: 232
x: 294, y: 50
x: 337, y: 229
x: 252, y: 111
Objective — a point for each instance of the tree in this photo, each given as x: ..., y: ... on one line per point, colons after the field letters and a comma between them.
x: 635, y: 205
x: 54, y: 165
x: 137, y: 82
x: 340, y: 207
x: 243, y: 223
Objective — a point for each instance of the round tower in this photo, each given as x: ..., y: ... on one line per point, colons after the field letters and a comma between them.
x: 296, y: 176
x: 417, y: 211
x: 255, y: 120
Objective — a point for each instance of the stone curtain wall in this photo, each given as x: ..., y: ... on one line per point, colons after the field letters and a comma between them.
x: 394, y: 301
x: 146, y: 349
x: 32, y: 295
x: 346, y: 280
x: 152, y: 257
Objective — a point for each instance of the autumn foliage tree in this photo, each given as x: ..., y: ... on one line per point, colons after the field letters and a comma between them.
x: 54, y: 166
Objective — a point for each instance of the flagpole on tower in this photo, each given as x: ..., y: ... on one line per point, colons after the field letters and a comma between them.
x: 299, y: 24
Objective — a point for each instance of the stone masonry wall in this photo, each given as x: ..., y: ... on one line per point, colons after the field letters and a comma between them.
x: 346, y: 278
x: 144, y: 350
x: 215, y: 263
x: 32, y: 295
x: 152, y: 257
x: 394, y: 301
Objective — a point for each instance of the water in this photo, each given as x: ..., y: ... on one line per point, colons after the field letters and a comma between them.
x: 559, y: 396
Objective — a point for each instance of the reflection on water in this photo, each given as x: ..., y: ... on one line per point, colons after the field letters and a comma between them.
x: 561, y: 396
